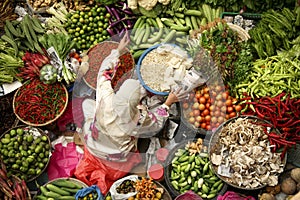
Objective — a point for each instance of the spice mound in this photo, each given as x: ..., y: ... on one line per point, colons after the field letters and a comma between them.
x: 37, y: 103
x: 242, y: 156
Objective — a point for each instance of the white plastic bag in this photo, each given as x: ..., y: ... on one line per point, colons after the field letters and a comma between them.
x: 113, y: 189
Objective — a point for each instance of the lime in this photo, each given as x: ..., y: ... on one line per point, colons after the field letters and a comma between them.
x: 90, y: 13
x: 7, y: 136
x: 81, y: 20
x: 20, y: 131
x: 76, y: 15
x: 107, y: 15
x: 98, y: 10
x: 86, y: 16
x: 77, y: 34
x: 105, y: 20
x: 13, y: 132
x: 29, y: 138
x: 81, y: 32
x: 74, y: 21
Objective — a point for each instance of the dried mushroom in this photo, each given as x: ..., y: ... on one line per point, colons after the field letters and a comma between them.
x: 243, y: 148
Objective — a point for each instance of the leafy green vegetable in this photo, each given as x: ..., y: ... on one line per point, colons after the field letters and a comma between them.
x: 156, y: 10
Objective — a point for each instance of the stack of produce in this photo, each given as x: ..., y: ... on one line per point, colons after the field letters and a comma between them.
x: 171, y: 25
x: 191, y: 170
x: 88, y: 28
x: 23, y: 35
x: 12, y: 187
x: 276, y: 30
x: 208, y: 108
x: 25, y: 151
x: 62, y: 188
x: 6, y: 12
x: 10, y: 62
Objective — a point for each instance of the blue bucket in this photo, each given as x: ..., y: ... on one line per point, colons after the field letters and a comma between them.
x: 138, y: 67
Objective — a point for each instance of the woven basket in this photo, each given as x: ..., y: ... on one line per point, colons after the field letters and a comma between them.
x: 42, y: 134
x: 96, y: 56
x: 46, y: 123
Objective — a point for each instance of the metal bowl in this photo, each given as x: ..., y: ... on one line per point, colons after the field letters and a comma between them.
x: 214, y: 147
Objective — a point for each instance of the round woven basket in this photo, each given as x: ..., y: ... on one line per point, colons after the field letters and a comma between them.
x: 42, y: 134
x: 96, y: 56
x: 48, y: 122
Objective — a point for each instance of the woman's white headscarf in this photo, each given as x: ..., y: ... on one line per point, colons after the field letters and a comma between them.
x: 125, y: 104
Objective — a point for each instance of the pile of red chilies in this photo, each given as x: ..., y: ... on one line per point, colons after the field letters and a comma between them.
x: 283, y: 113
x: 121, y: 20
x: 12, y: 187
x: 32, y: 64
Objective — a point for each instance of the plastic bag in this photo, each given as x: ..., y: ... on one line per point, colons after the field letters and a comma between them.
x: 85, y: 191
x: 103, y: 173
x: 189, y: 195
x: 64, y: 159
x: 113, y: 192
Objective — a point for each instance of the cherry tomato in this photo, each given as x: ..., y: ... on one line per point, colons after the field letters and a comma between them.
x: 201, y: 106
x: 238, y: 108
x: 230, y: 109
x: 207, y: 118
x: 196, y: 112
x: 205, y: 112
x: 202, y: 100
x: 208, y: 127
x: 206, y: 90
x: 206, y: 96
x: 197, y: 124
x: 231, y: 115
x: 198, y: 95
x: 207, y: 105
x: 199, y: 118
x: 196, y: 105
x: 225, y: 95
x: 228, y: 102
x: 192, y: 120
x: 214, y: 119
x: 203, y: 125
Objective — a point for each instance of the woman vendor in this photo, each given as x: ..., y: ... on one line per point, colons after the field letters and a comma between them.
x: 113, y: 123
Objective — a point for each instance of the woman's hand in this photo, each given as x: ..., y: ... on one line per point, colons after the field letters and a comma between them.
x: 123, y: 43
x: 175, y: 96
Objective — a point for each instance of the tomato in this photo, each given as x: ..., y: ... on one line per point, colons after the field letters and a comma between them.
x: 220, y: 119
x: 197, y: 124
x: 226, y: 116
x: 213, y: 94
x: 219, y: 97
x: 196, y: 112
x: 218, y: 88
x: 233, y: 114
x: 195, y: 99
x: 217, y: 113
x: 219, y: 103
x: 208, y: 127
x: 185, y: 105
x: 198, y: 95
x: 206, y: 90
x: 223, y: 109
x: 212, y: 108
x: 225, y: 95
x: 191, y: 114
x: 207, y: 105
x: 205, y: 112
x: 202, y: 100
x: 206, y: 96
x: 203, y: 125
x: 196, y: 105
x: 192, y: 120
x: 238, y: 108
x: 228, y: 102
x: 207, y: 118
x: 201, y: 106
x: 199, y: 119
x: 230, y: 109
x: 214, y: 120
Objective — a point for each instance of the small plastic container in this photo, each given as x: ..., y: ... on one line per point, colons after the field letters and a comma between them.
x: 162, y: 154
x: 156, y: 172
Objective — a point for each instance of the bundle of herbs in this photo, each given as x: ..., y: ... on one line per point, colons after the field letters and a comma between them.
x: 223, y: 46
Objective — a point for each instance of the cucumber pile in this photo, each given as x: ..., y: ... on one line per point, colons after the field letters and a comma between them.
x: 59, y: 189
x: 193, y: 172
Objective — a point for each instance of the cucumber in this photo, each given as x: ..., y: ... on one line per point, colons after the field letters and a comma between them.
x: 43, y: 190
x: 41, y: 197
x: 159, y: 22
x: 147, y: 33
x: 57, y: 190
x: 65, y: 183
x: 53, y: 194
x: 66, y: 198
x: 180, y: 28
x: 157, y: 37
x: 193, y: 13
x: 137, y: 54
x: 169, y: 36
x: 194, y: 23
x: 72, y: 190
